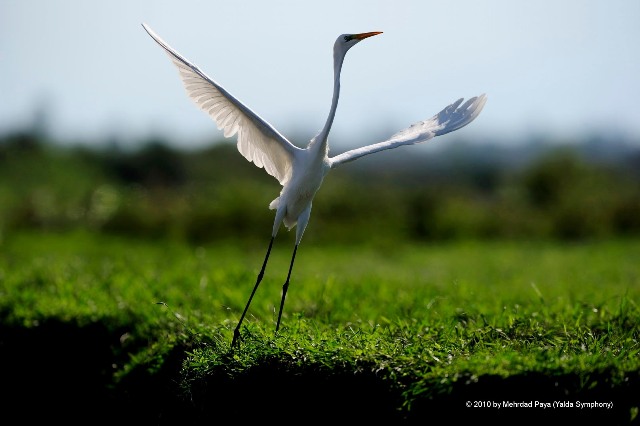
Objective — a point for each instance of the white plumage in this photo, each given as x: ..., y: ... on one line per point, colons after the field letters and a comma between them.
x: 300, y: 171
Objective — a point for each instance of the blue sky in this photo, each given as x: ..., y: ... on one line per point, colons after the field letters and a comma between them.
x: 549, y: 68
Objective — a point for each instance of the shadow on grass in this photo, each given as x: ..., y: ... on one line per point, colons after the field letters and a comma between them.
x: 59, y: 371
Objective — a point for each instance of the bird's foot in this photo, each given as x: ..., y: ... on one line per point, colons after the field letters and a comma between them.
x: 236, y: 339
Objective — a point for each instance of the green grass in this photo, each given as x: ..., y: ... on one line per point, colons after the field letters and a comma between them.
x: 413, y: 326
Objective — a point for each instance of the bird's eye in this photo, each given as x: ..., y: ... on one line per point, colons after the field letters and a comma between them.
x: 347, y: 38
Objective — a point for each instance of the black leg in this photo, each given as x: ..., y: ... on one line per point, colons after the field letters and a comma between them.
x: 236, y: 332
x: 285, y: 287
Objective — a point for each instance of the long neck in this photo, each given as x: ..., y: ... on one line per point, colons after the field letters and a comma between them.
x: 323, y: 136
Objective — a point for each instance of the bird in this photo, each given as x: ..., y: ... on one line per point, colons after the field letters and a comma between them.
x: 300, y: 171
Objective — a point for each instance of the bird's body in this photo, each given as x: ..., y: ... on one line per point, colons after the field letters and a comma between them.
x: 309, y: 165
x: 300, y: 171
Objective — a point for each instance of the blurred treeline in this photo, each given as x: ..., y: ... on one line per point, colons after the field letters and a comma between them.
x: 533, y: 190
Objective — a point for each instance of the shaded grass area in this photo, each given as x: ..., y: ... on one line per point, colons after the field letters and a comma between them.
x: 62, y: 372
x: 73, y: 383
x: 368, y: 334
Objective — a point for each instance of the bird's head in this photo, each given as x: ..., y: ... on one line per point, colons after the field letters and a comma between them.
x: 344, y: 42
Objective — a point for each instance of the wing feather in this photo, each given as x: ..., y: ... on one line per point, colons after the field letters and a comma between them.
x: 258, y: 141
x: 451, y: 118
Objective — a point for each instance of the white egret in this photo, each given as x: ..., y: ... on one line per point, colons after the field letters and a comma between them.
x: 299, y: 171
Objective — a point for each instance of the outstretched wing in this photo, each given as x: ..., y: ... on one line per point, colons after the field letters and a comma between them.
x: 258, y: 141
x: 449, y: 119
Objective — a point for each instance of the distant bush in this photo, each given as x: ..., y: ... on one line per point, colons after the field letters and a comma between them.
x: 214, y: 194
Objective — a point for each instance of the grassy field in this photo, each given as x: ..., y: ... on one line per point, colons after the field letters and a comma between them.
x: 380, y: 332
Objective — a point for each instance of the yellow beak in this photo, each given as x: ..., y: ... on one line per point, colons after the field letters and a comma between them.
x: 362, y: 36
